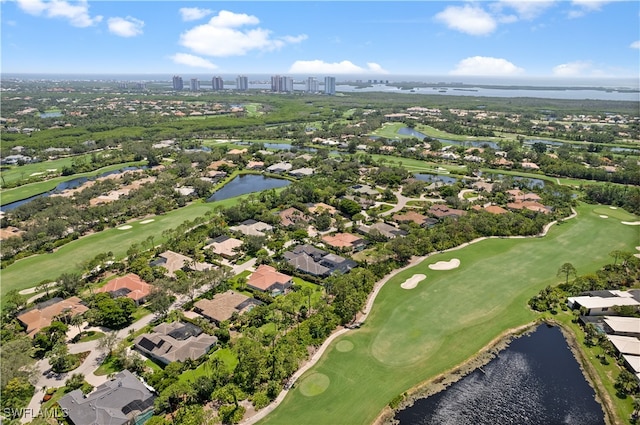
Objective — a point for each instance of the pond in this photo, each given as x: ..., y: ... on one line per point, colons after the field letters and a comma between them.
x: 50, y: 114
x: 406, y: 131
x: 435, y: 178
x: 68, y: 184
x: 528, y: 182
x: 247, y: 183
x: 535, y: 381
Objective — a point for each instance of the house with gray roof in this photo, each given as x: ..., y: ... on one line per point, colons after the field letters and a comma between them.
x: 316, y: 262
x: 175, y: 341
x: 121, y: 401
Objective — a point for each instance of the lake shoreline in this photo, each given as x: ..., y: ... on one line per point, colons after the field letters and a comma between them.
x: 488, y: 353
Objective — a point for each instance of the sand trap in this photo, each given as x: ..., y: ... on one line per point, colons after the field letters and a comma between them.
x: 35, y: 174
x: 413, y: 281
x: 604, y: 216
x: 150, y: 220
x: 638, y: 248
x: 614, y: 208
x: 445, y: 265
x: 631, y: 223
x: 52, y: 170
x: 127, y: 227
x: 636, y: 255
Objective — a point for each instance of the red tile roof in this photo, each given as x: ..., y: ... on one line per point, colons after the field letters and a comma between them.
x: 265, y: 277
x: 139, y: 289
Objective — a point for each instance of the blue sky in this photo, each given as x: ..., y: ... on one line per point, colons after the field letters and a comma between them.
x: 543, y: 38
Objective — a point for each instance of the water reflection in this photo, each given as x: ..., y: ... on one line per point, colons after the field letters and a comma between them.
x: 247, y: 183
x: 535, y: 381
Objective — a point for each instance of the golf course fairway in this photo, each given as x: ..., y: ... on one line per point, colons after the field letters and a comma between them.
x: 414, y: 335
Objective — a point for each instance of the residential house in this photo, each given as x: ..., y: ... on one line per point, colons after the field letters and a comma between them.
x: 44, y: 313
x: 482, y: 186
x: 292, y: 216
x: 173, y: 261
x: 493, y: 209
x: 604, y: 303
x: 414, y: 217
x: 345, y: 241
x: 304, y: 263
x: 302, y: 172
x: 529, y: 165
x: 222, y: 306
x: 320, y: 207
x: 624, y: 326
x: 176, y: 341
x: 130, y: 286
x: 441, y: 211
x: 268, y: 279
x: 255, y: 165
x: 363, y: 189
x: 225, y: 246
x: 120, y: 401
x: 252, y: 228
x: 529, y: 205
x: 382, y: 229
x: 279, y: 167
x: 237, y: 151
x: 316, y: 262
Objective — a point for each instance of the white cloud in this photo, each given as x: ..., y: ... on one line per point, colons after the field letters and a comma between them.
x: 468, y: 19
x: 344, y: 67
x: 222, y: 36
x: 572, y: 69
x: 77, y: 14
x: 529, y: 9
x: 193, y: 60
x: 635, y: 45
x: 125, y: 27
x: 194, y: 13
x: 585, y: 6
x: 483, y: 65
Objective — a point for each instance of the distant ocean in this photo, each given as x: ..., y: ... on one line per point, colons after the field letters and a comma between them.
x: 627, y: 89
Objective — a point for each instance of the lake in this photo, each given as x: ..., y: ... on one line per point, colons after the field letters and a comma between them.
x: 67, y: 184
x: 435, y: 178
x: 247, y: 183
x: 406, y: 131
x: 535, y: 381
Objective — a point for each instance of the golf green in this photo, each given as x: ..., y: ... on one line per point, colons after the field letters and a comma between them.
x: 412, y: 336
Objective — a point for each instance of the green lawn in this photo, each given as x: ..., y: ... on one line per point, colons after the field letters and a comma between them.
x: 23, y: 172
x: 30, y: 271
x: 32, y: 189
x: 414, y: 335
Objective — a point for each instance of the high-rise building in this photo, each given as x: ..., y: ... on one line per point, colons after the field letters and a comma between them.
x: 194, y: 84
x: 287, y: 84
x: 276, y: 83
x: 217, y: 83
x: 242, y: 82
x: 177, y: 82
x: 312, y: 85
x: 281, y: 84
x: 330, y: 85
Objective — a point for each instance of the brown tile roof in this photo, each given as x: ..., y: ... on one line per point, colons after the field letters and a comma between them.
x: 222, y: 306
x: 320, y: 207
x: 43, y: 314
x: 265, y: 277
x: 174, y: 261
x: 441, y: 211
x: 530, y: 205
x: 292, y: 216
x: 226, y: 247
x: 342, y: 240
x: 139, y: 289
x: 410, y: 216
x: 494, y: 209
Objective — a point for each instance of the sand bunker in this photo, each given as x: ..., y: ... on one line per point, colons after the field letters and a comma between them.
x: 614, y: 208
x: 631, y: 223
x: 445, y: 265
x: 149, y: 220
x: 127, y: 227
x: 413, y: 281
x: 638, y: 248
x: 604, y: 216
x: 35, y: 174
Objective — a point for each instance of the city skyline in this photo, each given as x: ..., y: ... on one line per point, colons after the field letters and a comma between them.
x: 504, y: 38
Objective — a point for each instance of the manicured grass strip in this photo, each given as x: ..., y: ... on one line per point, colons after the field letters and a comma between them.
x: 414, y: 335
x: 24, y: 172
x: 32, y: 189
x: 30, y: 271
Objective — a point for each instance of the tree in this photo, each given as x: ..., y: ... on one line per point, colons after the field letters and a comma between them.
x: 159, y: 301
x: 349, y: 207
x: 108, y: 342
x: 566, y: 270
x: 69, y: 283
x: 77, y: 320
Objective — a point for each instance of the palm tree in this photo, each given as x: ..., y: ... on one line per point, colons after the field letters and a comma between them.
x: 566, y: 270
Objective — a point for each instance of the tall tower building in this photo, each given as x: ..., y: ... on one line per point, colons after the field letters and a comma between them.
x: 194, y: 84
x: 330, y: 85
x: 177, y: 83
x: 287, y: 84
x: 312, y: 85
x: 217, y: 83
x: 242, y: 83
x: 276, y: 83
